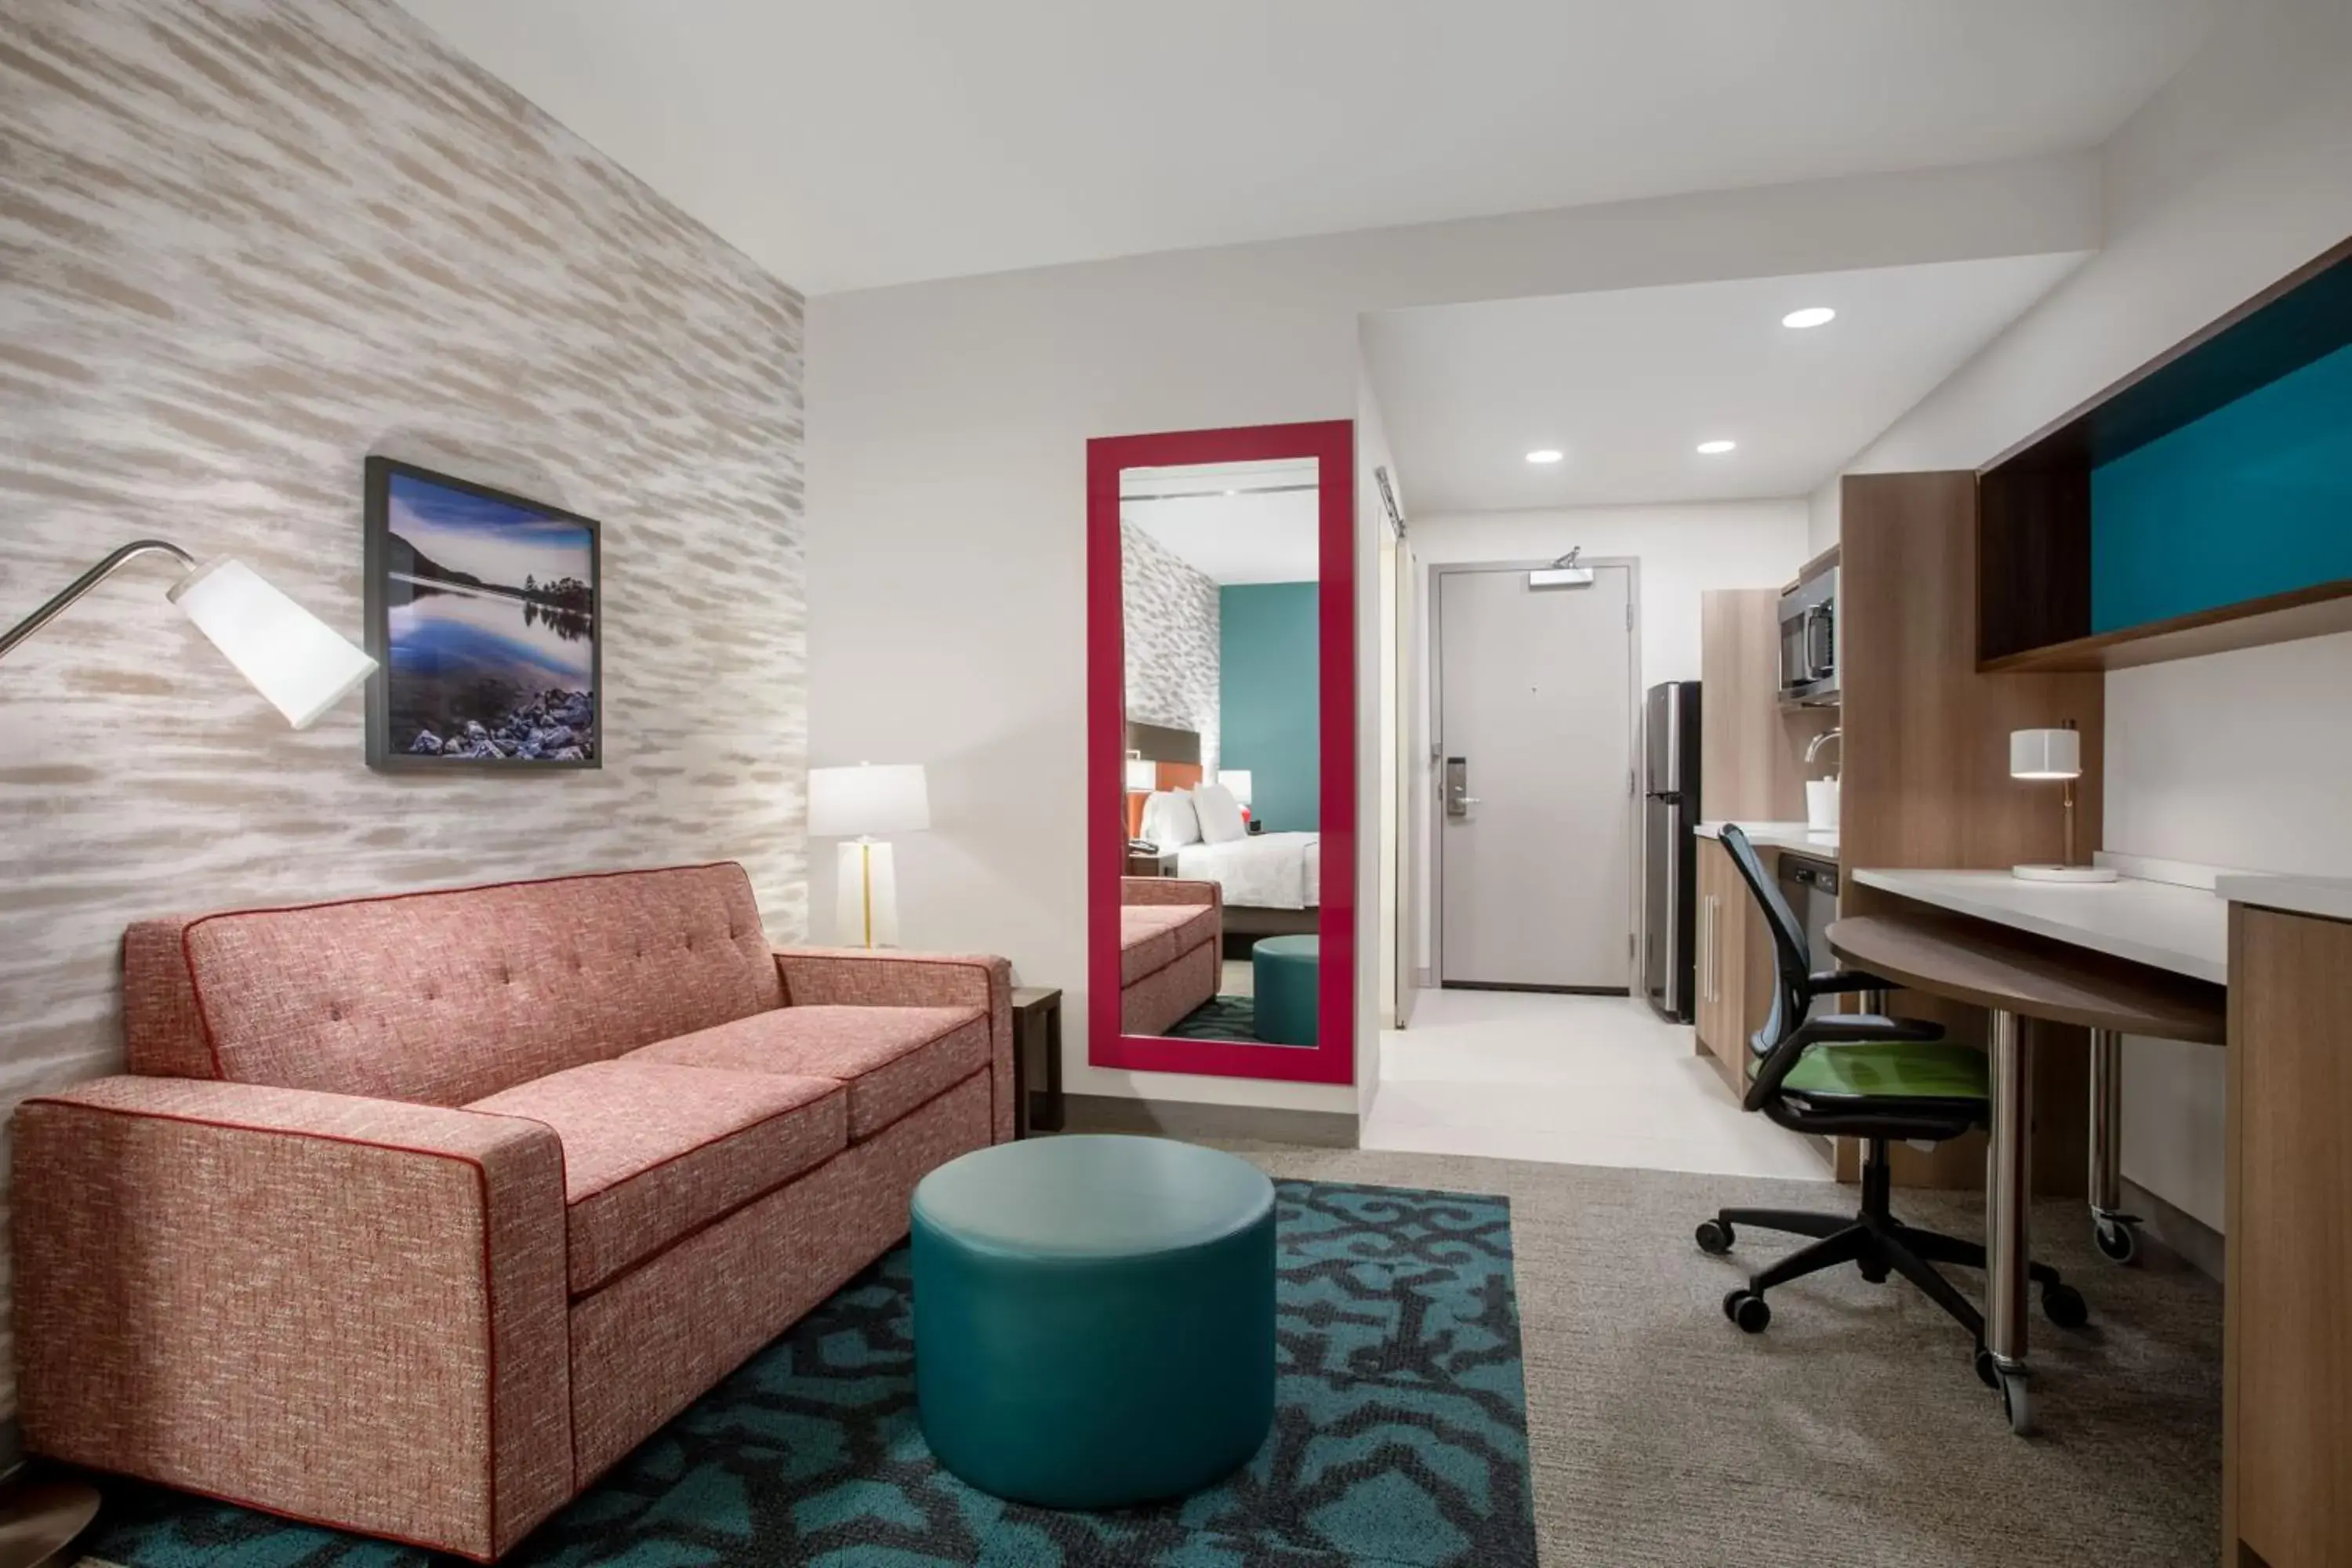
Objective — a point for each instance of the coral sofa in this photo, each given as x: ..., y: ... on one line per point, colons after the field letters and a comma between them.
x: 1171, y: 950
x: 415, y: 1214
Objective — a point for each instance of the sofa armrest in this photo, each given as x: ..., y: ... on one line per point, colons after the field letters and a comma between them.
x: 345, y: 1310
x: 1170, y: 890
x: 863, y: 977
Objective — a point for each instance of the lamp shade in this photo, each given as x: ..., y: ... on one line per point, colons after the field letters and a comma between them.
x: 1142, y: 773
x: 868, y: 801
x: 1236, y: 779
x: 2045, y: 753
x: 290, y: 656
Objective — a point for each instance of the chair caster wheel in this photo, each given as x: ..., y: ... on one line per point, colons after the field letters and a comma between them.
x: 2016, y: 1403
x: 1714, y: 1238
x: 2063, y: 1304
x: 1875, y: 1272
x: 1747, y: 1309
x: 2117, y: 1238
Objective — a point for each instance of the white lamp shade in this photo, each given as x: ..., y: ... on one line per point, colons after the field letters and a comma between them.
x: 868, y: 801
x: 1142, y: 773
x: 1236, y: 779
x: 290, y: 656
x: 2045, y: 753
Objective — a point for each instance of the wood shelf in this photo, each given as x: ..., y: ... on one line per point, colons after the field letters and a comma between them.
x: 2255, y: 623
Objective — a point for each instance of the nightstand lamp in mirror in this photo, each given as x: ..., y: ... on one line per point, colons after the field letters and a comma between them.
x: 860, y: 805
x: 1238, y: 780
x: 2054, y: 754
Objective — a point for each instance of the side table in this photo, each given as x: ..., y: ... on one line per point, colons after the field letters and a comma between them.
x: 1036, y: 1057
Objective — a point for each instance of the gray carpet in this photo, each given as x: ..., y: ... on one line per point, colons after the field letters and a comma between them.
x: 1851, y: 1433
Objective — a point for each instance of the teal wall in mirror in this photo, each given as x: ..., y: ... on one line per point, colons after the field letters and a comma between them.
x: 2253, y: 499
x: 1269, y: 658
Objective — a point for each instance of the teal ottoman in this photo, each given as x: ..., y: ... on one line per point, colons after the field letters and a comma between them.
x: 1094, y: 1318
x: 1283, y: 970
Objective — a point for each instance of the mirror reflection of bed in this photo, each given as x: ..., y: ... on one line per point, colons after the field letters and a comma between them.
x: 1220, y: 907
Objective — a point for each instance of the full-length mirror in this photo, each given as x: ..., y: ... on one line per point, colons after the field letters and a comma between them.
x: 1221, y: 681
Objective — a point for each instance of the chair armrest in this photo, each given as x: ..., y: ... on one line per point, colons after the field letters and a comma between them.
x: 1170, y: 890
x: 1831, y: 981
x: 863, y: 977
x: 1829, y: 1029
x: 345, y: 1310
x: 1862, y: 1028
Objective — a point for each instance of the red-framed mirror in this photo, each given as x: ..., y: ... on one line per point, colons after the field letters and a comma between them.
x: 1221, y: 799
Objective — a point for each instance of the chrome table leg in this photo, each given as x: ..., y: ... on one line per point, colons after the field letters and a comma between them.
x: 2009, y: 1192
x: 2117, y: 1233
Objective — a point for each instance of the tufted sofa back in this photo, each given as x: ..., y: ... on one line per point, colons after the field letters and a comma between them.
x: 445, y: 997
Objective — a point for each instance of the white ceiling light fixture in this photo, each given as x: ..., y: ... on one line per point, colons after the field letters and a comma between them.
x: 1545, y: 455
x: 1811, y: 316
x: 1717, y: 448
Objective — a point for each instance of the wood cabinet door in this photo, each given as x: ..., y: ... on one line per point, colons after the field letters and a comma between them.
x: 1721, y: 960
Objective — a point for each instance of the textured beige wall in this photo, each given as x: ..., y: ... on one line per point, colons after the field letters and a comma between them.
x: 243, y: 244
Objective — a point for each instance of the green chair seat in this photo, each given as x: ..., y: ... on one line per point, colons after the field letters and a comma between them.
x: 1890, y: 1069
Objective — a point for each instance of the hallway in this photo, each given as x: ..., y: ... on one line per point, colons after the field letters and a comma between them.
x: 1579, y: 1081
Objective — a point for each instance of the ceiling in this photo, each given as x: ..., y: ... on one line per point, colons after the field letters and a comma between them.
x: 1236, y: 523
x: 849, y: 145
x: 1627, y: 384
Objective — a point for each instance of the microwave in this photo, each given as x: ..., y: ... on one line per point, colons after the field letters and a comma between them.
x: 1809, y: 651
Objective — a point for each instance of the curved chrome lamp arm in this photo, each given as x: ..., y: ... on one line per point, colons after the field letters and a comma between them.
x: 85, y: 582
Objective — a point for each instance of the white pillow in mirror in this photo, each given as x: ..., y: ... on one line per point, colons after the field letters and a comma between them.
x: 1168, y: 820
x: 1220, y: 814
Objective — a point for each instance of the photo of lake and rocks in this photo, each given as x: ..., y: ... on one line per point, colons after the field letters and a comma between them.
x: 490, y: 627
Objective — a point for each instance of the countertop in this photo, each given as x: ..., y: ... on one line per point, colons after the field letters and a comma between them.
x: 1793, y: 835
x: 2328, y: 897
x: 2182, y: 928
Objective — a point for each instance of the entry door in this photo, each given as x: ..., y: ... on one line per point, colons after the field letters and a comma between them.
x: 1535, y: 771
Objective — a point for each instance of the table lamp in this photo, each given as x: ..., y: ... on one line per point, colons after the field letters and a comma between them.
x: 292, y: 656
x: 2054, y: 754
x: 1238, y: 780
x: 1142, y: 775
x: 860, y: 805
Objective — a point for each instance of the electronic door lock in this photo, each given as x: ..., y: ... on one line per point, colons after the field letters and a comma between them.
x: 1458, y: 798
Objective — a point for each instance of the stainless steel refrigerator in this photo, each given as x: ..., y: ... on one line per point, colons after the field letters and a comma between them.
x: 1669, y: 847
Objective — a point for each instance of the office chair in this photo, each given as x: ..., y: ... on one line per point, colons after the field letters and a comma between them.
x: 1868, y: 1077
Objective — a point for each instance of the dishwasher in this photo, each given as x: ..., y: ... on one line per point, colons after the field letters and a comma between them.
x: 1810, y: 886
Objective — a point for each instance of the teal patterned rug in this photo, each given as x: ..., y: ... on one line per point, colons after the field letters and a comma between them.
x: 1218, y: 1018
x: 1400, y: 1437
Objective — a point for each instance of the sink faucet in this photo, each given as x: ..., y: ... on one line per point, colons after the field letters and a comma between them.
x: 1813, y: 747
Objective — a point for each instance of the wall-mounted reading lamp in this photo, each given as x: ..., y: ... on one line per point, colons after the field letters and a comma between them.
x: 290, y: 656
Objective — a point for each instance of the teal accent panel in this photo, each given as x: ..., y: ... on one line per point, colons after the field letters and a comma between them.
x: 2253, y: 499
x: 1269, y: 657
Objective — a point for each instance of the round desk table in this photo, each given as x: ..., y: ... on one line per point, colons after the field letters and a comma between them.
x: 2018, y: 978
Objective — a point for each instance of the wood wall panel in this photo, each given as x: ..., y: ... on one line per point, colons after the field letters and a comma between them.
x: 2286, y: 1357
x: 1927, y: 765
x: 1751, y: 750
x: 247, y: 244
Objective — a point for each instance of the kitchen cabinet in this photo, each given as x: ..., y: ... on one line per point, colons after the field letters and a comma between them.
x: 1735, y: 962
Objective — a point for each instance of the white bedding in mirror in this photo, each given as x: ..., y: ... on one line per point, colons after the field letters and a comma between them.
x: 1265, y: 870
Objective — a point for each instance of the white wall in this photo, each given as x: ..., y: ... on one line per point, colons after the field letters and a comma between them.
x: 947, y: 440
x: 1684, y: 551
x: 2236, y: 173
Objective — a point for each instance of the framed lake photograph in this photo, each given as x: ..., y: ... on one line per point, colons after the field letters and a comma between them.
x: 481, y: 614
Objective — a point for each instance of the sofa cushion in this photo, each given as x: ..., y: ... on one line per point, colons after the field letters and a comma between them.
x: 1154, y: 936
x: 892, y: 1058
x: 653, y: 1151
x: 444, y: 997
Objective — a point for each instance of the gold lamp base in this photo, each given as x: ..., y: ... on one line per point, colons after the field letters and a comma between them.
x: 38, y: 1520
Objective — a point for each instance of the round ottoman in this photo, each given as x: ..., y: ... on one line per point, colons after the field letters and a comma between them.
x: 1282, y: 971
x: 1094, y: 1318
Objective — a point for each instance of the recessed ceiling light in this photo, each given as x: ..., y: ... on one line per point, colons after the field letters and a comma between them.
x: 1811, y: 316
x: 1716, y: 448
x: 1545, y: 455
